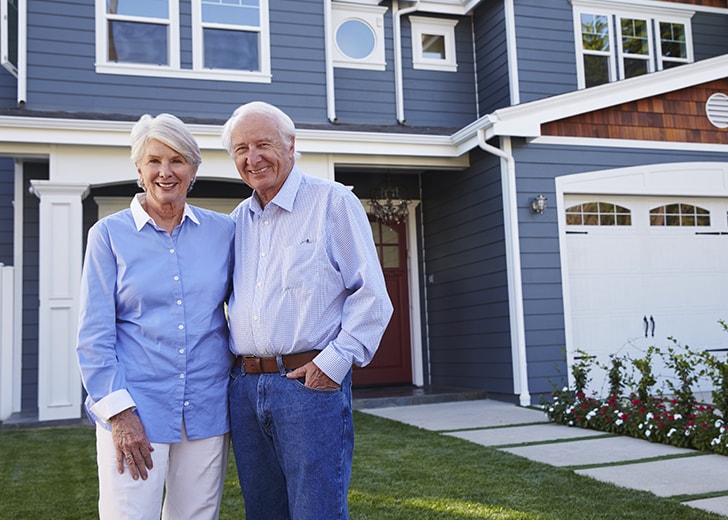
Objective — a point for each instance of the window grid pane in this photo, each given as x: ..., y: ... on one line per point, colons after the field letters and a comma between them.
x: 598, y: 214
x: 680, y: 215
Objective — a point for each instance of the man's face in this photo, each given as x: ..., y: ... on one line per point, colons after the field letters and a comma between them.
x: 263, y: 157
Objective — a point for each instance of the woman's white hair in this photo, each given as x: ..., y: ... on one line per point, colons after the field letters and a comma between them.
x: 284, y: 123
x: 168, y: 130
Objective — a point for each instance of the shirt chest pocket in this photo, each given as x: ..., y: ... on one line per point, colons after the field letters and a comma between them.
x: 301, y: 265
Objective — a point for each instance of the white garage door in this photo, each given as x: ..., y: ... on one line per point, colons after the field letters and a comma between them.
x: 642, y: 270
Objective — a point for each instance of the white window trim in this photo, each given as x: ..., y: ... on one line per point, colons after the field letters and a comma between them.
x: 371, y: 15
x: 198, y: 52
x: 174, y: 70
x: 616, y: 10
x: 4, y: 38
x: 439, y: 27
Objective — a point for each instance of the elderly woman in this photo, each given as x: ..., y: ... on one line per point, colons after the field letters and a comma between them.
x: 153, y: 338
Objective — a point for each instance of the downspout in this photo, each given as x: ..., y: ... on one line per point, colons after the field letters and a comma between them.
x: 330, y: 93
x: 398, y: 88
x: 513, y: 259
x: 511, y: 51
x: 22, y: 52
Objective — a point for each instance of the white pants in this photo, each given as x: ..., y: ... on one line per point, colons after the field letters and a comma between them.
x: 192, y: 471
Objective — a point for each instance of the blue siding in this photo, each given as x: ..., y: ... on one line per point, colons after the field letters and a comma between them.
x: 62, y: 76
x: 545, y: 42
x: 7, y: 193
x: 492, y: 58
x: 467, y: 296
x: 710, y: 35
x: 537, y: 166
x: 439, y: 98
x: 31, y: 294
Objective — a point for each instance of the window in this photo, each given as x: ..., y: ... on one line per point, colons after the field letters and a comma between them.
x: 230, y: 39
x: 9, y: 32
x: 598, y: 214
x: 358, y: 36
x: 614, y: 45
x: 433, y: 43
x: 679, y: 215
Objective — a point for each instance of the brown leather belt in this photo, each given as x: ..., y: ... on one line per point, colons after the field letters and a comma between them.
x: 269, y: 365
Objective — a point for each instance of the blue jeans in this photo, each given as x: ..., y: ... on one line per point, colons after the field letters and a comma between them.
x: 293, y: 447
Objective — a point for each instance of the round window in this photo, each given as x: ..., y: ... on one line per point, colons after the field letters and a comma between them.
x: 355, y: 39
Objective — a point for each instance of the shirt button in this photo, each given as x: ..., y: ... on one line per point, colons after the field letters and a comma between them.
x: 176, y: 278
x: 266, y: 222
x: 171, y: 251
x: 186, y: 403
x: 262, y: 254
x: 179, y: 302
x: 181, y: 376
x: 181, y: 351
x: 260, y: 284
x: 180, y: 326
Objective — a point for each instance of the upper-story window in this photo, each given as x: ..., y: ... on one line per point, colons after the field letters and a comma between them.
x: 9, y: 35
x: 433, y: 43
x: 230, y: 39
x: 619, y: 41
x: 358, y: 36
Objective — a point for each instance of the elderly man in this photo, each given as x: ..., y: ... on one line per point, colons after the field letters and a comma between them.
x: 309, y: 301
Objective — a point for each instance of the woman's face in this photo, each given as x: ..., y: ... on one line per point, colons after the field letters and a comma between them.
x: 165, y: 174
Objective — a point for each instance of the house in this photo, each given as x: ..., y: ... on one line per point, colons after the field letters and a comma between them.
x: 565, y: 165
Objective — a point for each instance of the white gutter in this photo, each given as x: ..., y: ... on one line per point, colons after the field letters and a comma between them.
x: 330, y: 92
x: 22, y: 52
x: 513, y: 259
x: 398, y: 88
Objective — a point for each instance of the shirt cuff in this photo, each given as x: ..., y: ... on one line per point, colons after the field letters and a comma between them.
x: 114, y: 403
x: 332, y: 365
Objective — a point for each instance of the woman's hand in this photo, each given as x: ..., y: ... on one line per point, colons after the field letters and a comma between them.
x: 132, y: 444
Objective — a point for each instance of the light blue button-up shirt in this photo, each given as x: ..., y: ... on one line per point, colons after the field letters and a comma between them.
x: 152, y: 330
x: 307, y: 277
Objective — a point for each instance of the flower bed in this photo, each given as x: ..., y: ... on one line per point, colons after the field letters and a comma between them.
x: 668, y: 415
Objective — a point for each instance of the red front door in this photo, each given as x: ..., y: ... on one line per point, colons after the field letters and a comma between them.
x: 392, y: 363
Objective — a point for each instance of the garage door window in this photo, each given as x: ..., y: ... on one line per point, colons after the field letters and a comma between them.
x: 679, y: 215
x: 598, y: 214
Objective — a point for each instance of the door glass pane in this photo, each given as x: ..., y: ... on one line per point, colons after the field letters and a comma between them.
x: 131, y: 42
x: 376, y: 233
x: 235, y: 50
x: 390, y: 256
x: 389, y: 235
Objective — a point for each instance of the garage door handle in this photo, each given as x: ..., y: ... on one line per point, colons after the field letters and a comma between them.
x: 652, y: 322
x: 647, y: 325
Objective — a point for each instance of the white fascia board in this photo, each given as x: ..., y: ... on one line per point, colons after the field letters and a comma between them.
x: 37, y: 136
x: 630, y: 143
x: 451, y: 7
x: 525, y: 120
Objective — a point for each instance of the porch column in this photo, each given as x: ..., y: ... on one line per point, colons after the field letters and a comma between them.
x: 60, y: 258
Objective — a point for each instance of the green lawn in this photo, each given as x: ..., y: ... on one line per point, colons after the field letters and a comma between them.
x: 400, y: 472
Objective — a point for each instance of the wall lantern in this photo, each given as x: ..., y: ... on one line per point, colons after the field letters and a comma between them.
x: 389, y: 204
x: 538, y: 205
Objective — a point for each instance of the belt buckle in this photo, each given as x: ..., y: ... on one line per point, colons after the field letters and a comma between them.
x: 252, y: 364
